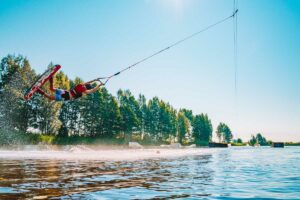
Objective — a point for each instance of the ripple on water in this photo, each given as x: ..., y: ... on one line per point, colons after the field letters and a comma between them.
x: 233, y: 173
x: 11, y: 190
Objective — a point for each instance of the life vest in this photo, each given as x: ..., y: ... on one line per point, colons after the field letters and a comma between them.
x: 78, y: 90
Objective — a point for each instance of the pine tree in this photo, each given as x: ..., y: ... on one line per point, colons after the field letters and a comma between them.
x: 112, y: 117
x: 261, y: 140
x: 253, y: 140
x: 167, y: 121
x: 15, y: 77
x: 70, y: 114
x: 129, y: 109
x: 202, y: 129
x: 144, y: 125
x: 47, y: 113
x: 183, y: 126
x: 224, y: 133
x: 154, y: 117
x: 187, y: 113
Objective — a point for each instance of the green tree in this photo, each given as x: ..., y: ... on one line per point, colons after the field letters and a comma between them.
x: 112, y: 117
x: 183, y: 127
x: 202, y: 129
x: 47, y: 113
x: 130, y: 113
x: 109, y: 115
x: 187, y: 113
x: 258, y: 139
x: 154, y: 117
x: 47, y: 116
x: 15, y: 77
x: 261, y: 140
x: 224, y: 133
x: 161, y: 121
x: 145, y: 115
x: 61, y: 81
x: 9, y: 66
x: 70, y: 114
x: 92, y: 113
x: 167, y: 125
x: 239, y: 140
x: 252, y: 141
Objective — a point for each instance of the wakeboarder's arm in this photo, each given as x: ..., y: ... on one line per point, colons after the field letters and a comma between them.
x: 40, y: 91
x: 94, y: 89
x: 92, y: 81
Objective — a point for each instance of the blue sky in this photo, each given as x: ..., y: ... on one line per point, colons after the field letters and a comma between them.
x: 96, y: 38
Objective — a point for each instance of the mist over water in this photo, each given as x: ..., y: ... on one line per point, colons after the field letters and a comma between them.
x: 232, y: 173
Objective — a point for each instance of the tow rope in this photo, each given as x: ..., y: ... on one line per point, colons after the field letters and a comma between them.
x: 106, y: 79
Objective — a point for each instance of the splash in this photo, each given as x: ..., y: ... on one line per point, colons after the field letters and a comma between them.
x: 82, y: 152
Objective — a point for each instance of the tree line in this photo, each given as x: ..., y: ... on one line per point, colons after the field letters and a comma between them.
x: 102, y: 115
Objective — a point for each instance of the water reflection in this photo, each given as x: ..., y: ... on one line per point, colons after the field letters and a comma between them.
x: 56, y: 178
x: 229, y: 173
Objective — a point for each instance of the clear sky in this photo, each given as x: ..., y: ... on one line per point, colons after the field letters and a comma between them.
x: 92, y: 38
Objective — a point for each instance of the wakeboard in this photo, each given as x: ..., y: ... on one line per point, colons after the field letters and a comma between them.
x: 40, y: 81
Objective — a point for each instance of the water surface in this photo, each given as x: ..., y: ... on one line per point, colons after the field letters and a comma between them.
x: 233, y: 173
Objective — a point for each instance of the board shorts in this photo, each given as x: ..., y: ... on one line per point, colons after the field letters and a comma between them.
x: 58, y: 93
x: 61, y: 95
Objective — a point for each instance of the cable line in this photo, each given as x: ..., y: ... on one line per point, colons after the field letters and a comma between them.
x: 168, y: 47
x: 235, y: 7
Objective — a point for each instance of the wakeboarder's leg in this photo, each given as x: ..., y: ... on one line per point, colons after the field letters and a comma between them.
x: 40, y: 91
x: 51, y: 84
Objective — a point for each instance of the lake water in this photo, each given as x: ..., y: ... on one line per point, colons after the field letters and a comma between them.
x: 233, y: 173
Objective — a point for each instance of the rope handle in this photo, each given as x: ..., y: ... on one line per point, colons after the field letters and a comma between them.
x: 107, y: 78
